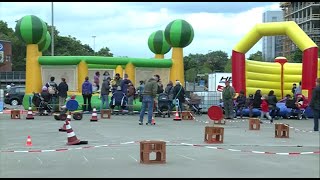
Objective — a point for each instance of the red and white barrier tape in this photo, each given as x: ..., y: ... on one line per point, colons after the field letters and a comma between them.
x: 182, y: 144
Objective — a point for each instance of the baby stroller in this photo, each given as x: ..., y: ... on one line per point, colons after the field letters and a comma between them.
x: 297, y: 108
x: 44, y: 108
x: 163, y: 105
x: 194, y: 105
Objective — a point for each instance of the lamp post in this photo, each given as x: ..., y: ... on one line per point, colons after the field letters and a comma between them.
x: 94, y: 45
x: 52, y: 31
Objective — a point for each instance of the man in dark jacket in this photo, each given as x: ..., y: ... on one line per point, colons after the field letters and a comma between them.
x: 53, y: 91
x: 86, y: 94
x: 105, y: 89
x: 62, y: 92
x: 178, y: 93
x: 315, y: 104
x: 124, y: 83
x: 149, y: 93
x: 272, y: 102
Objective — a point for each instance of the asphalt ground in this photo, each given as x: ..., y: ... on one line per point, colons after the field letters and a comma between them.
x: 113, y: 149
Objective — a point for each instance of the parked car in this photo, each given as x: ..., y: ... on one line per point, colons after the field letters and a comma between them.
x: 14, y: 96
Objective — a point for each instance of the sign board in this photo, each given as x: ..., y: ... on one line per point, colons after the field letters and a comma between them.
x: 201, y: 83
x: 216, y: 81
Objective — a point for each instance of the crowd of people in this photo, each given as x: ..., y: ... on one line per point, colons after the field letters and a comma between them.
x: 124, y: 94
x: 267, y: 103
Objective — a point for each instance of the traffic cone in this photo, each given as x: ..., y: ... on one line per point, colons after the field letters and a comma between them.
x: 72, y: 138
x: 29, y: 115
x: 63, y: 128
x: 177, y: 118
x: 94, y: 116
x: 153, y: 121
x: 29, y: 143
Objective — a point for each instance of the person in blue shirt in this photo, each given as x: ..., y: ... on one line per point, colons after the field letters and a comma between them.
x: 87, y: 94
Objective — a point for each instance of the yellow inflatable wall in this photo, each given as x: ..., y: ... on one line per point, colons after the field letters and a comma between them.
x: 266, y: 76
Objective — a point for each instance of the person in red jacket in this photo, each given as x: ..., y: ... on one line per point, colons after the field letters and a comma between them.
x: 265, y: 109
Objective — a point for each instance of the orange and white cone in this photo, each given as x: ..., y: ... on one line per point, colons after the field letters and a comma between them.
x: 29, y: 114
x: 94, y: 116
x: 177, y: 118
x: 63, y: 128
x: 29, y: 142
x: 153, y: 121
x: 72, y: 138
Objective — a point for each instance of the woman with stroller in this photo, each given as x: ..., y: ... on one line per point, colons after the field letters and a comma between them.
x: 169, y: 91
x: 178, y: 93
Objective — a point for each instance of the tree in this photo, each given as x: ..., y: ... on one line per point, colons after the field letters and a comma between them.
x: 256, y: 56
x: 296, y: 56
x: 216, y: 60
x: 104, y: 52
x: 228, y: 67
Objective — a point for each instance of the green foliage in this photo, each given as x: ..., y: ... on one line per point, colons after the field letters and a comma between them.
x: 63, y: 46
x: 104, y: 52
x: 228, y: 67
x: 296, y: 56
x: 256, y: 56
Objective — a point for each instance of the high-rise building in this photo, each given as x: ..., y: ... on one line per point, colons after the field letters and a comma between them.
x: 271, y: 45
x: 307, y: 16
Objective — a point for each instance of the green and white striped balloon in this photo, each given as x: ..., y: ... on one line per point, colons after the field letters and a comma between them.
x: 44, y: 45
x: 157, y: 43
x: 179, y: 33
x: 31, y: 29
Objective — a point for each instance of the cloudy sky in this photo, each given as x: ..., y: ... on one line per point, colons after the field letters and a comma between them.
x: 124, y: 27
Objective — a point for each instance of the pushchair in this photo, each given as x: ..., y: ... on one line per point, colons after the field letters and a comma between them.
x: 43, y: 107
x: 296, y: 112
x: 194, y: 105
x: 164, y: 104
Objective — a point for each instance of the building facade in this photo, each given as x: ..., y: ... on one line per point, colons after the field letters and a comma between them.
x: 5, y: 56
x: 307, y: 16
x: 271, y: 45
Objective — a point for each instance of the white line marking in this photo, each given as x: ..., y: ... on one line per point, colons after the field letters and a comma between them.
x: 133, y: 158
x: 39, y: 160
x: 85, y: 158
x: 186, y: 157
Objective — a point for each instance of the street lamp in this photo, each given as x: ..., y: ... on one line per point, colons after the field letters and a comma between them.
x: 94, y: 44
x: 52, y: 31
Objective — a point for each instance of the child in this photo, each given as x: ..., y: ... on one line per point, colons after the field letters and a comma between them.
x: 250, y: 104
x: 265, y: 109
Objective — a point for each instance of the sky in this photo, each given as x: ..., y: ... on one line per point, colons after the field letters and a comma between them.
x: 124, y: 27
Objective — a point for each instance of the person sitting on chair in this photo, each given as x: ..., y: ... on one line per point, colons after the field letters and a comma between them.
x: 118, y: 98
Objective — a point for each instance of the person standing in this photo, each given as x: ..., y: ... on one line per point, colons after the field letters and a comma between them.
x: 298, y: 90
x: 105, y: 89
x: 62, y: 92
x: 53, y: 91
x: 178, y: 93
x: 315, y: 105
x: 130, y: 94
x: 293, y: 89
x: 87, y: 94
x: 140, y: 90
x: 272, y: 101
x: 169, y: 92
x: 124, y: 83
x: 265, y: 109
x: 228, y: 94
x: 149, y: 93
x: 96, y: 80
